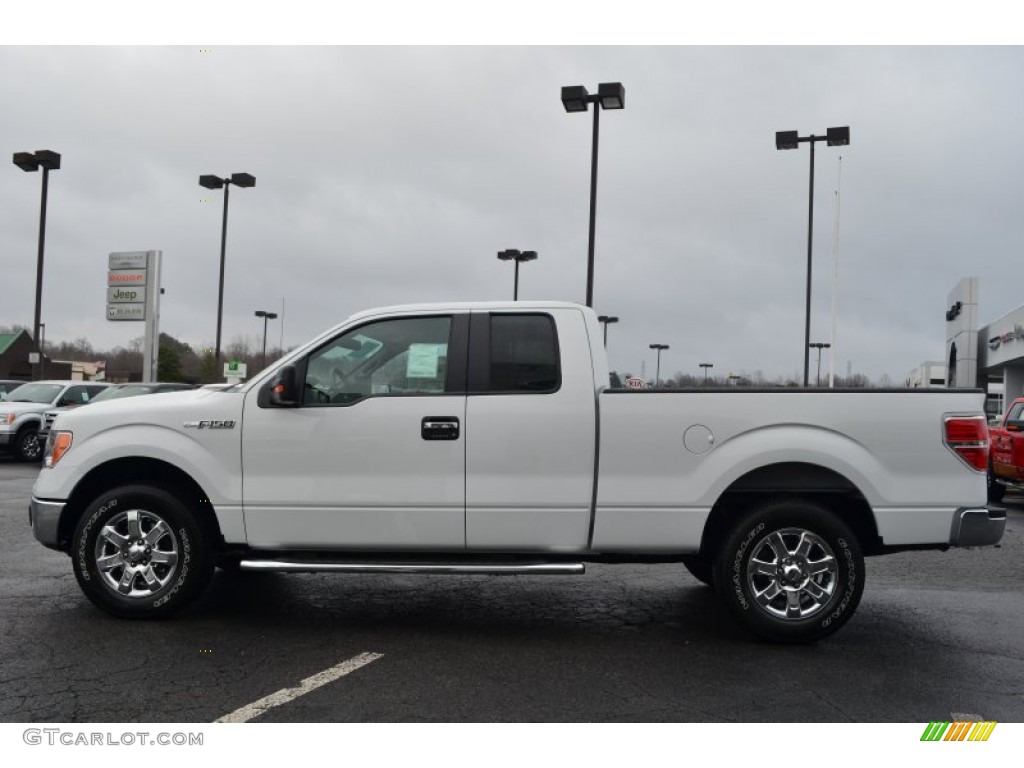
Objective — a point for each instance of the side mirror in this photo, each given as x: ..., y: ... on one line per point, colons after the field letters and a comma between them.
x: 285, y: 391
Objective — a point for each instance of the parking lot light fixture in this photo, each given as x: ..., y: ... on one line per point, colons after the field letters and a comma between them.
x: 210, y: 181
x: 512, y: 254
x: 834, y: 137
x: 48, y: 160
x: 705, y: 366
x: 266, y: 316
x: 606, y: 320
x: 657, y: 373
x: 576, y: 98
x: 819, y: 345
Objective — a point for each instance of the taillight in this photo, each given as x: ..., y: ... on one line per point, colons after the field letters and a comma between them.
x: 967, y: 437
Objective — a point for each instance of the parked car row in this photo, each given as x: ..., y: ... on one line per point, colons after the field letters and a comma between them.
x: 27, y: 412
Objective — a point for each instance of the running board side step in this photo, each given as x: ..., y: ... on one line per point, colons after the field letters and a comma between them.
x: 490, y: 569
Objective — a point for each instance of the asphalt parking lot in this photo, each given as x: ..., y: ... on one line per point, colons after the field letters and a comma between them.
x: 938, y: 636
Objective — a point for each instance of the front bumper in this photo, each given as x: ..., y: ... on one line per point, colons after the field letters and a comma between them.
x: 6, y: 438
x: 978, y: 527
x: 45, y: 519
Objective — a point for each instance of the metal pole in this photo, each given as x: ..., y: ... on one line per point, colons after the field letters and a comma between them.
x: 42, y: 350
x: 515, y: 289
x: 220, y: 292
x: 606, y: 334
x: 810, y: 233
x: 835, y: 278
x: 657, y: 374
x: 39, y: 266
x: 593, y: 208
x: 264, y: 363
x: 818, y: 382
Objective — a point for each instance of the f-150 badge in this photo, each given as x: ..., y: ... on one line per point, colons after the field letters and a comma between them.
x: 210, y: 424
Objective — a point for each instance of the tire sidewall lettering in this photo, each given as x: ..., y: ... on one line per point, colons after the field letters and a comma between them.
x: 851, y: 583
x: 737, y: 565
x: 83, y: 545
x: 186, y: 559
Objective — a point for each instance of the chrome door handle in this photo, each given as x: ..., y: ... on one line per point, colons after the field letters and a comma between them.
x: 439, y: 428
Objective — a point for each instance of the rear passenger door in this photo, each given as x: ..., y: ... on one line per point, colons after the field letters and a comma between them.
x: 530, y: 432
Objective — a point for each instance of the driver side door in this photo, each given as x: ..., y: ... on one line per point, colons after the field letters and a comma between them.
x: 373, y: 458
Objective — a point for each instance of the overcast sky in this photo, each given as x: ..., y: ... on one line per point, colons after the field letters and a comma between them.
x: 387, y: 175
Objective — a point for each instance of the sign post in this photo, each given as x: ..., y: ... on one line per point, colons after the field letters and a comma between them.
x: 133, y: 294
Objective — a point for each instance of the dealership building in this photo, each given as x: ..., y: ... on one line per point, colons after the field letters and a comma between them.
x: 990, y: 357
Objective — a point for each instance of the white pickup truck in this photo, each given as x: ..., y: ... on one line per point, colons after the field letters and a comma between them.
x: 482, y: 439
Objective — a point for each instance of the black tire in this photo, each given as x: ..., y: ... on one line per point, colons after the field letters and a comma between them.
x: 701, y: 568
x: 27, y: 447
x: 995, y: 490
x: 129, y: 572
x: 814, y: 565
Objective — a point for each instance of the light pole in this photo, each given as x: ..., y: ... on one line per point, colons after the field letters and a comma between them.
x: 216, y: 182
x: 705, y: 366
x: 266, y: 316
x: 575, y: 98
x: 605, y: 320
x: 657, y: 374
x: 48, y: 161
x: 835, y: 137
x: 42, y: 350
x: 819, y: 345
x: 511, y: 254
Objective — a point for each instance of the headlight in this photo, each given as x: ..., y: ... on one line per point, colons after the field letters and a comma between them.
x: 57, y: 444
x: 7, y: 418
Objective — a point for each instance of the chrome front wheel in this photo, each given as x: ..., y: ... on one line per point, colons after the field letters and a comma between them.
x: 142, y: 551
x: 136, y: 553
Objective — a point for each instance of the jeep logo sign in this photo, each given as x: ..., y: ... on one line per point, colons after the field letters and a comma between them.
x: 125, y: 296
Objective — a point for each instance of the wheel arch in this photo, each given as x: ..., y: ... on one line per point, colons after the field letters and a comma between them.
x: 798, y: 480
x: 137, y: 470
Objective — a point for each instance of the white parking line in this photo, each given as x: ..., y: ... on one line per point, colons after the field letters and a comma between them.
x: 257, y: 708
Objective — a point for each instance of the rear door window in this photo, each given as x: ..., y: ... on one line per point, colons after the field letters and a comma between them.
x: 524, y: 354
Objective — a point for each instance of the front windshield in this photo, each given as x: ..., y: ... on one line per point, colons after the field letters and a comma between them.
x: 35, y: 392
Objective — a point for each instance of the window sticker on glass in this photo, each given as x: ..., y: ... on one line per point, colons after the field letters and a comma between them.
x: 423, y: 360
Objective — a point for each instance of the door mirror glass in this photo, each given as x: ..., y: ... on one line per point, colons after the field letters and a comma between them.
x: 284, y: 391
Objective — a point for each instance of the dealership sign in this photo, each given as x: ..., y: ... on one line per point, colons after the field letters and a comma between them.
x: 126, y: 281
x: 133, y: 295
x: 1005, y: 338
